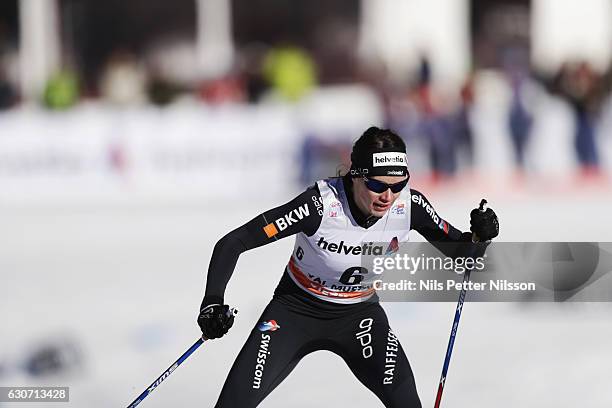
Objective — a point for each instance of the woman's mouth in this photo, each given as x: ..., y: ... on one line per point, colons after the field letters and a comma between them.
x: 381, y: 207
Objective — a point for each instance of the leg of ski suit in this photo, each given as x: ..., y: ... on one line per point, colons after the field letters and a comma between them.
x: 363, y: 339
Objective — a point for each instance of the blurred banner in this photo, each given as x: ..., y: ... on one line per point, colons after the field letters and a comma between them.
x: 184, y: 151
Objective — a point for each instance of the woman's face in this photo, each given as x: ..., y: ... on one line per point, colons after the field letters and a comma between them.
x: 371, y: 203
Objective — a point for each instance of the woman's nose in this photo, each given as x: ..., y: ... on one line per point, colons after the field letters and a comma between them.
x: 387, y: 195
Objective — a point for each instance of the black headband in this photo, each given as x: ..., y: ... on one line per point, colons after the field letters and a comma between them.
x: 379, y: 162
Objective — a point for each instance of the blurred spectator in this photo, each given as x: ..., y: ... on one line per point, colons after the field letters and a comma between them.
x: 8, y: 95
x: 291, y: 71
x: 435, y: 125
x: 520, y: 120
x: 251, y: 60
x: 334, y: 49
x: 172, y: 68
x: 161, y: 91
x: 580, y: 85
x: 255, y: 86
x: 62, y: 90
x: 462, y: 122
x: 124, y: 80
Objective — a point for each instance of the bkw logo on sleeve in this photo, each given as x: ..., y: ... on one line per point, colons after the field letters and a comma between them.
x: 293, y: 217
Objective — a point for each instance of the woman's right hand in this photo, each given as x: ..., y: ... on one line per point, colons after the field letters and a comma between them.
x: 215, y: 320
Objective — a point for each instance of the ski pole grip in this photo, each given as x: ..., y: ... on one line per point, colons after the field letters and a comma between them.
x: 482, y: 207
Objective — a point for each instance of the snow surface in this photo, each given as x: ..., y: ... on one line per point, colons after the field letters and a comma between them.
x: 124, y: 279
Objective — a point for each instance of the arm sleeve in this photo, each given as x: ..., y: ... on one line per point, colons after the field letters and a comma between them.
x: 441, y: 234
x: 302, y: 214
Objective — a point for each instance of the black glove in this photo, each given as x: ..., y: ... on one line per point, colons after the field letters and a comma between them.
x: 215, y: 320
x: 484, y: 224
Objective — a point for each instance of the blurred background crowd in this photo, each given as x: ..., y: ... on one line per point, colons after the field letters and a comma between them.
x: 471, y: 85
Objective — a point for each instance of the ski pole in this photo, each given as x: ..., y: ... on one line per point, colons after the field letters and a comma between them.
x: 166, y: 373
x: 453, y: 335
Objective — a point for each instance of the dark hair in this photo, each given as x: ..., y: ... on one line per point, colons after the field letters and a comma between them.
x: 372, y: 139
x: 376, y: 138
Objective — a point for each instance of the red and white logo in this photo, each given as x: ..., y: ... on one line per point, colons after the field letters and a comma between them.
x: 270, y: 325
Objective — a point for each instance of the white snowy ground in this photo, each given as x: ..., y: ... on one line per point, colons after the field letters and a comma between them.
x: 124, y: 279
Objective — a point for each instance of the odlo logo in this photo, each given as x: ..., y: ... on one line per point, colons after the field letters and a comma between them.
x: 365, y: 338
x: 262, y: 355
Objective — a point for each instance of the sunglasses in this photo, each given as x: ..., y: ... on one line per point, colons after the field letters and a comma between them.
x: 379, y: 187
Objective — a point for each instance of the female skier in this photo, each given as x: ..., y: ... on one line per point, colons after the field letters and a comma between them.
x: 325, y: 299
